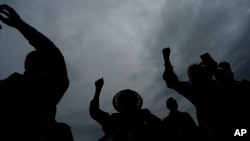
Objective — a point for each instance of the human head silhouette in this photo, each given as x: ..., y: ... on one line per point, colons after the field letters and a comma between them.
x: 172, y: 105
x: 225, y: 66
x: 34, y: 61
x: 127, y: 101
x: 199, y: 74
x: 226, y: 71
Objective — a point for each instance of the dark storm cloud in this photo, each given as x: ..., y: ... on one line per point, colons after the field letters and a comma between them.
x: 97, y: 39
x: 194, y: 27
x: 122, y: 42
x: 191, y: 28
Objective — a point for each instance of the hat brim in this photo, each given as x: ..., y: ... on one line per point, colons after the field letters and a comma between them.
x: 116, y: 105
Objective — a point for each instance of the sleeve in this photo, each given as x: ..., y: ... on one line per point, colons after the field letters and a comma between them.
x: 172, y: 81
x: 35, y: 38
x: 54, y: 65
x: 97, y: 114
x: 52, y: 55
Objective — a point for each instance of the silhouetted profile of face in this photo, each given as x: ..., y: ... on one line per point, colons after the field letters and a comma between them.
x: 172, y: 105
x: 199, y: 74
x: 127, y: 101
x: 33, y: 61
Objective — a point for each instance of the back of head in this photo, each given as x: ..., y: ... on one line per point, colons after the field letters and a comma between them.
x: 199, y: 74
x: 127, y: 101
x: 34, y: 61
x: 172, y: 105
x: 226, y: 71
x: 225, y: 66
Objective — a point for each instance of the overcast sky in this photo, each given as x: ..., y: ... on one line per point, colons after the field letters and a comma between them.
x: 121, y: 41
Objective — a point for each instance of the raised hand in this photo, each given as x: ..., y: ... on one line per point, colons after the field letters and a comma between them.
x: 166, y: 53
x: 99, y: 83
x: 9, y: 16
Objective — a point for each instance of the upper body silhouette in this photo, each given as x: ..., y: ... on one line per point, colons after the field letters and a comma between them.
x: 178, y: 125
x: 216, y: 100
x: 30, y: 99
x: 131, y: 123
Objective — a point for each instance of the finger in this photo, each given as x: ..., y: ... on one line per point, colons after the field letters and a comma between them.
x: 2, y: 18
x: 10, y: 11
x: 8, y: 8
x: 5, y: 12
x: 1, y: 7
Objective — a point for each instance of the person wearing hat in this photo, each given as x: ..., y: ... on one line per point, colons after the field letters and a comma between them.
x: 131, y: 123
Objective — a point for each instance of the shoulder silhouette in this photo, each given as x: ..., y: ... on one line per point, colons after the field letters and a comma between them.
x: 131, y: 123
x: 178, y: 125
x: 31, y: 98
x: 215, y: 94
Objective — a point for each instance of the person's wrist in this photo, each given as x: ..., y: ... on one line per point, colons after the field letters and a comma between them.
x: 98, y: 89
x: 19, y: 23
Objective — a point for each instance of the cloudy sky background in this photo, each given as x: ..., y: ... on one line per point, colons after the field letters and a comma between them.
x: 121, y: 41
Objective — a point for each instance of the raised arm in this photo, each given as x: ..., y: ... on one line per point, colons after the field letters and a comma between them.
x: 10, y: 17
x: 52, y: 57
x: 95, y: 112
x: 50, y: 63
x: 170, y: 77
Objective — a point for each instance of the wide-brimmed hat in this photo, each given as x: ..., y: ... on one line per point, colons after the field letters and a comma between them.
x: 126, y: 99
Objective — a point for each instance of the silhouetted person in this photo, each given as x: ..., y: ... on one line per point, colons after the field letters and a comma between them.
x: 30, y: 99
x: 245, y: 89
x: 178, y: 126
x: 217, y: 110
x: 222, y: 72
x: 131, y: 123
x: 242, y: 85
x: 58, y: 132
x: 226, y: 71
x: 226, y: 87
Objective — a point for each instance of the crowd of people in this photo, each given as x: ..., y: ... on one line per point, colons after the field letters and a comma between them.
x: 29, y: 100
x: 220, y: 100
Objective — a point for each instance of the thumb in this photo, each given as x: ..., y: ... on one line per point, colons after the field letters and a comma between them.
x: 3, y: 19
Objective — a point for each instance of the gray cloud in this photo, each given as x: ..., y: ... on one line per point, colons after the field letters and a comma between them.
x: 192, y: 28
x: 122, y: 42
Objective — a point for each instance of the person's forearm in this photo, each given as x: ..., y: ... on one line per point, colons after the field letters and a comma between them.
x: 169, y: 75
x: 94, y: 109
x: 35, y: 38
x: 97, y: 97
